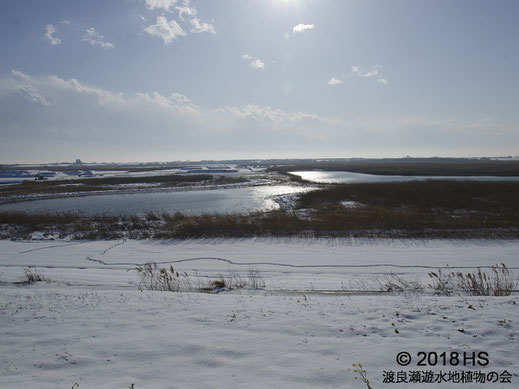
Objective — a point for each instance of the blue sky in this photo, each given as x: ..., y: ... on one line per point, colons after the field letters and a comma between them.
x: 162, y: 80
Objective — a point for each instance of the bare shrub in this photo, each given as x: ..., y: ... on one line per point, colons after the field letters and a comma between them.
x: 395, y: 283
x: 500, y: 282
x: 441, y: 283
x: 235, y: 281
x: 218, y: 284
x: 153, y: 277
x: 255, y: 279
x: 31, y: 276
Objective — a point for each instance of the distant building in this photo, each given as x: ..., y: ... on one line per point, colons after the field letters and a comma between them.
x: 78, y: 162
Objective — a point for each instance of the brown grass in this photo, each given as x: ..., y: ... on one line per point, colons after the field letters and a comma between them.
x: 498, y: 282
x: 161, y: 278
x: 412, y: 209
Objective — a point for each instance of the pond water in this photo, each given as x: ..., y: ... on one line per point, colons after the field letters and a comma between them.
x: 336, y: 177
x: 192, y: 202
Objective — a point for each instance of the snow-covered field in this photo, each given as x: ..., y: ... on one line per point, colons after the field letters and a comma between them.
x: 91, y: 325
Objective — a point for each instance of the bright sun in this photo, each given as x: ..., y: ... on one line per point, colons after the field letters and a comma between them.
x: 292, y: 3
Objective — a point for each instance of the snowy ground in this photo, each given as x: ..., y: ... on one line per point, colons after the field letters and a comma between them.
x: 92, y: 326
x: 15, y: 176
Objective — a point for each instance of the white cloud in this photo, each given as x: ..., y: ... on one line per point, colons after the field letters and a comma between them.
x: 186, y: 9
x: 169, y: 30
x: 254, y: 63
x: 65, y: 21
x: 160, y: 4
x: 257, y: 64
x: 95, y: 39
x: 199, y: 27
x: 165, y: 30
x: 49, y: 31
x: 302, y: 27
x: 373, y: 71
x: 334, y: 81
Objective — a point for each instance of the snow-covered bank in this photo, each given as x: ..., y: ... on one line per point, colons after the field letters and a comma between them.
x: 55, y: 337
x: 291, y: 263
x: 92, y: 326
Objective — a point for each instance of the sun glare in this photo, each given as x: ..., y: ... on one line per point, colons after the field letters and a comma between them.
x: 285, y: 2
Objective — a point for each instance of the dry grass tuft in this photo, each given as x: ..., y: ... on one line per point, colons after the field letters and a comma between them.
x: 32, y: 275
x: 154, y: 277
x: 395, y: 283
x: 499, y: 282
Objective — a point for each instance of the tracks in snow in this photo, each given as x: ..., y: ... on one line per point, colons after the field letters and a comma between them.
x: 105, y: 264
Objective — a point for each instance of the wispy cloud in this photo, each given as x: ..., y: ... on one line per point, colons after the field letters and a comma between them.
x: 24, y: 85
x: 51, y: 90
x: 175, y: 103
x: 199, y: 27
x: 373, y: 71
x: 302, y: 27
x: 166, y: 30
x: 160, y: 4
x: 46, y: 111
x: 334, y: 81
x: 50, y: 30
x: 255, y: 63
x: 186, y: 9
x: 277, y: 116
x: 65, y: 21
x: 95, y: 39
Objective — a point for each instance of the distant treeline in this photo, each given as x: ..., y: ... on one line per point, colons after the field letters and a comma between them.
x: 411, y: 167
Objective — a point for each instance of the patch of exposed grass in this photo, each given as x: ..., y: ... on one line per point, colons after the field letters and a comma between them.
x: 410, y: 209
x: 363, y: 222
x: 447, y: 195
x: 416, y: 206
x: 31, y: 275
x: 161, y: 278
x: 153, y: 277
x: 233, y: 225
x: 498, y: 282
